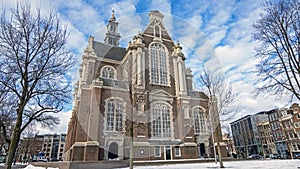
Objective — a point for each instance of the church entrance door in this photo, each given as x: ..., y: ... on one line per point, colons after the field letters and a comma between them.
x: 202, y: 149
x: 168, y: 152
x: 113, y: 151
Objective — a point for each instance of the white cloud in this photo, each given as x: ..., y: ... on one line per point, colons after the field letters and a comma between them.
x: 163, y: 6
x: 215, y: 32
x: 64, y: 118
x: 196, y: 21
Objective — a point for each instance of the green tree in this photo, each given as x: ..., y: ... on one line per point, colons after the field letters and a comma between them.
x: 34, y: 66
x: 278, y: 33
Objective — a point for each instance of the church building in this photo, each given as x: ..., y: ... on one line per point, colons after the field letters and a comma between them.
x: 141, y: 93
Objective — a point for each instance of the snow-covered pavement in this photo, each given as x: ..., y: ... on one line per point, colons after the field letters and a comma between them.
x: 34, y: 167
x: 251, y: 164
x: 19, y: 165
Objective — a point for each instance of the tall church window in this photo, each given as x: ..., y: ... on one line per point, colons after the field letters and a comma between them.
x: 158, y: 60
x: 108, y: 72
x: 199, y: 120
x: 114, y: 115
x: 161, y: 120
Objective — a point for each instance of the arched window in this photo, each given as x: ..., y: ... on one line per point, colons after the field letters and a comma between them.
x: 157, y: 31
x: 199, y: 120
x: 161, y: 120
x: 114, y: 115
x: 158, y: 60
x: 108, y: 72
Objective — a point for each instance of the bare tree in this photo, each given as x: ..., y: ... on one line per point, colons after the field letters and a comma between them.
x: 6, y: 126
x: 221, y: 98
x: 34, y: 66
x: 7, y: 119
x: 127, y: 78
x: 278, y: 31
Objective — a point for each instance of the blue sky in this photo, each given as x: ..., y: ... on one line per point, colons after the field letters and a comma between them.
x: 214, y: 32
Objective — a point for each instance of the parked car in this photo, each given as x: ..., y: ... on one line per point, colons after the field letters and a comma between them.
x: 42, y: 159
x: 274, y: 156
x: 282, y: 156
x: 255, y: 156
x: 2, y: 158
x: 296, y: 155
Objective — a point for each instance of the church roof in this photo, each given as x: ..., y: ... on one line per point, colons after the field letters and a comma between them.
x: 108, y: 51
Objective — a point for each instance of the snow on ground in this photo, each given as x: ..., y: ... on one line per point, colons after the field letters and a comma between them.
x: 34, y: 167
x: 251, y: 164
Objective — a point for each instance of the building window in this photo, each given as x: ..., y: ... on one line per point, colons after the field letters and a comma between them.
x: 186, y: 114
x: 114, y: 115
x: 157, y: 31
x: 158, y: 60
x: 177, y: 151
x: 199, y: 121
x: 157, y: 151
x: 161, y: 120
x: 108, y: 72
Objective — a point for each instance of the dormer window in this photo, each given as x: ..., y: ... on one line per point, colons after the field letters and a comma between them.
x: 108, y: 72
x: 157, y: 31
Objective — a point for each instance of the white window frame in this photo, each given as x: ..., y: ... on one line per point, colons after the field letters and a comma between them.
x: 157, y: 150
x: 199, y: 113
x: 158, y: 129
x: 177, y: 148
x: 118, y: 115
x: 159, y: 64
x: 109, y: 76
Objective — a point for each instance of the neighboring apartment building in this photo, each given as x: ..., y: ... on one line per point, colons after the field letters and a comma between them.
x: 279, y: 118
x: 295, y: 141
x: 245, y: 134
x: 29, y: 148
x: 288, y: 141
x: 265, y: 137
x: 230, y: 148
x: 279, y: 133
x: 54, y: 146
x: 48, y: 146
x: 144, y: 89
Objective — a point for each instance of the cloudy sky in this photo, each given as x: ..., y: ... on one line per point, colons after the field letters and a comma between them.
x: 212, y: 32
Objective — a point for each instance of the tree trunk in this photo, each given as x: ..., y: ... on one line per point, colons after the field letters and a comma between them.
x: 218, y: 145
x: 131, y: 147
x: 14, y: 141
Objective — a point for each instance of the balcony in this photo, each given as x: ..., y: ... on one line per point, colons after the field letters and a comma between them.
x: 114, y: 83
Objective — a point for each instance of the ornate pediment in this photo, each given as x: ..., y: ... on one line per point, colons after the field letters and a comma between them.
x: 160, y: 95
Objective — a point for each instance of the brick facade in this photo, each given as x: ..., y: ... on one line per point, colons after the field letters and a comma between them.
x: 121, y: 89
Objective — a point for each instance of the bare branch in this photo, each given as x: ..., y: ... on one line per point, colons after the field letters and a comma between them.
x: 277, y: 30
x: 34, y: 66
